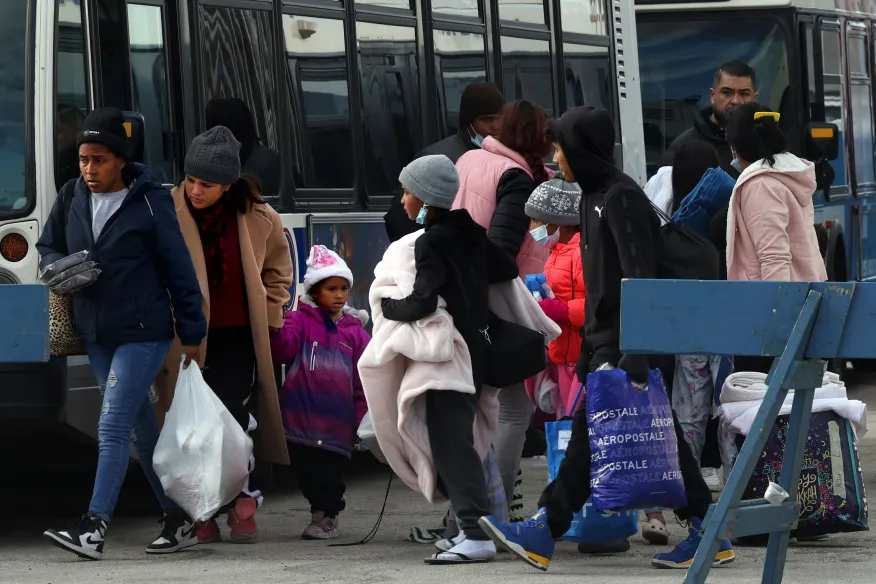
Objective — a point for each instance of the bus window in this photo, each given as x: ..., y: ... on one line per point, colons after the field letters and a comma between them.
x: 323, y: 139
x: 465, y: 8
x: 13, y: 100
x: 678, y: 64
x: 391, y: 122
x: 833, y: 96
x: 862, y: 109
x: 587, y: 72
x: 237, y: 64
x: 459, y: 61
x: 526, y: 65
x: 584, y: 17
x: 70, y: 88
x: 528, y: 11
x: 149, y: 73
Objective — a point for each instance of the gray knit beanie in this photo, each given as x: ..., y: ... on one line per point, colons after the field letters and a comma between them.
x: 556, y: 202
x: 432, y: 179
x: 214, y: 157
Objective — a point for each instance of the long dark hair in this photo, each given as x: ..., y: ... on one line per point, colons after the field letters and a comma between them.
x: 523, y: 130
x: 755, y: 139
x: 691, y: 162
x: 241, y: 195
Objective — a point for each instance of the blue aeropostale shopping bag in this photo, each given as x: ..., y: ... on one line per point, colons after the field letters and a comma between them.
x: 588, y: 525
x: 634, y: 452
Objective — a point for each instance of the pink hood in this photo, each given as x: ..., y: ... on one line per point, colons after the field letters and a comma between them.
x: 479, y: 174
x: 770, y: 233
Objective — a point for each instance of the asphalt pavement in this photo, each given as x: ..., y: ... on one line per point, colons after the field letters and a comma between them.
x: 281, y: 556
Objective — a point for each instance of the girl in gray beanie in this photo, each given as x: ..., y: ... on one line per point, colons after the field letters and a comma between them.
x: 454, y: 260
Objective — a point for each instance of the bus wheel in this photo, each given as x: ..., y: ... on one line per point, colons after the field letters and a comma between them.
x: 837, y: 267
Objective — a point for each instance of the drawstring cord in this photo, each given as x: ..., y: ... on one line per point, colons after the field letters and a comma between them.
x: 376, y: 527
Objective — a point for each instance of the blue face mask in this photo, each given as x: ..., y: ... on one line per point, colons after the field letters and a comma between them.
x: 478, y: 140
x: 540, y: 235
x: 736, y: 166
x: 421, y: 216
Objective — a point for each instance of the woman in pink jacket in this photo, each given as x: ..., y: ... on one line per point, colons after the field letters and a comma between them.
x: 494, y: 184
x: 770, y: 233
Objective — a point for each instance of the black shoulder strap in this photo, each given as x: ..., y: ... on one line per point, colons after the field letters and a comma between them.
x: 661, y: 213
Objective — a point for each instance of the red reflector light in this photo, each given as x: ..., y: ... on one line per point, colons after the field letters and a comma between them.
x: 13, y: 247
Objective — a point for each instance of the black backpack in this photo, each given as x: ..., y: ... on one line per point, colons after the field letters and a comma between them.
x: 685, y: 254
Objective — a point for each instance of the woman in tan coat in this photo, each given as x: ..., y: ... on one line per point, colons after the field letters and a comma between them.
x: 244, y: 269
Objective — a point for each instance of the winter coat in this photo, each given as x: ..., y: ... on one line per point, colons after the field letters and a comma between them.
x: 267, y: 275
x: 396, y: 219
x: 455, y: 260
x: 565, y: 276
x: 147, y: 285
x: 769, y: 226
x: 494, y: 184
x: 705, y: 201
x: 619, y: 228
x: 706, y: 131
x: 322, y: 398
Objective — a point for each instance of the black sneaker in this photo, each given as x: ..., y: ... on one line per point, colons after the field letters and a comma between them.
x: 84, y: 538
x: 178, y: 533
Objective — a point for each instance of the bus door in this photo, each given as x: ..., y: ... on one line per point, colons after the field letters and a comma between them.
x: 859, y: 48
x: 151, y: 31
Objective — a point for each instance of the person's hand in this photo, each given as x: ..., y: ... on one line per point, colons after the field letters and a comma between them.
x: 272, y: 329
x: 556, y: 310
x: 636, y: 367
x: 192, y: 354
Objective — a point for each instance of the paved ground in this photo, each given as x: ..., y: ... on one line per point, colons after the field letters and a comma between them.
x: 281, y: 556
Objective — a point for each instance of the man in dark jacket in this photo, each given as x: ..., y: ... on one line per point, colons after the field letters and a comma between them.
x: 619, y: 236
x: 734, y: 84
x: 479, y: 110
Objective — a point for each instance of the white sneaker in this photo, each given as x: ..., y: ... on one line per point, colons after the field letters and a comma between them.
x: 84, y: 538
x: 710, y: 475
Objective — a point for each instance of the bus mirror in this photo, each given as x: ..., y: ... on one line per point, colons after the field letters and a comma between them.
x: 822, y: 141
x: 134, y: 127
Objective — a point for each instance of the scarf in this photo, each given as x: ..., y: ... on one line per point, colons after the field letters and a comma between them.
x: 212, y: 225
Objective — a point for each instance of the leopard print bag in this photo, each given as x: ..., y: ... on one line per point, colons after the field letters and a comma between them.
x: 64, y: 340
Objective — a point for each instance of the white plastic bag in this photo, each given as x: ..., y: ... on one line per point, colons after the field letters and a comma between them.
x: 369, y: 437
x: 202, y: 454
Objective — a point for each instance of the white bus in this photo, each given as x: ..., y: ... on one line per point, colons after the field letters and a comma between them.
x: 344, y: 92
x: 815, y: 65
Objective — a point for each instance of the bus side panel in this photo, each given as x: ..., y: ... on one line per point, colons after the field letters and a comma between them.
x: 867, y: 250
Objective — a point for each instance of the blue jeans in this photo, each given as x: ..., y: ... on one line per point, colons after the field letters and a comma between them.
x: 127, y: 371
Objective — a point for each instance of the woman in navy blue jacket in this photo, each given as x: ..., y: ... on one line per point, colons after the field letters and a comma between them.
x: 147, y: 289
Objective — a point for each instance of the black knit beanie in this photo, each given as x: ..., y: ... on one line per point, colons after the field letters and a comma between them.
x: 479, y: 99
x: 106, y: 126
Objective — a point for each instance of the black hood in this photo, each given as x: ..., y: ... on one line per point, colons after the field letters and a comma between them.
x: 709, y: 129
x: 586, y: 135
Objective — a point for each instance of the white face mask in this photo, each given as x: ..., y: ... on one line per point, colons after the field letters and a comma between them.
x: 541, y: 236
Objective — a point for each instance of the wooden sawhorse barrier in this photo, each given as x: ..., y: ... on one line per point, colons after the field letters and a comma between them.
x: 798, y: 323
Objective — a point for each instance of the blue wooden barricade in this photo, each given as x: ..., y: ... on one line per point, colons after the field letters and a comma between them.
x: 798, y: 323
x: 24, y: 323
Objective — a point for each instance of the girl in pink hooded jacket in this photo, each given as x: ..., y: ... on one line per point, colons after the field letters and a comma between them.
x: 770, y: 222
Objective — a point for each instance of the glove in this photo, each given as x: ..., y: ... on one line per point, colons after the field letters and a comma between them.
x: 556, y: 310
x: 636, y: 367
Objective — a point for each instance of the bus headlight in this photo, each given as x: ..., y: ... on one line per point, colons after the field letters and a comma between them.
x: 13, y: 247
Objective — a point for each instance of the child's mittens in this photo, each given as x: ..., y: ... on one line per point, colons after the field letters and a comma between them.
x: 556, y: 310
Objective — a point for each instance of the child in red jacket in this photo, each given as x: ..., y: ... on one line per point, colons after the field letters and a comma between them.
x: 553, y: 209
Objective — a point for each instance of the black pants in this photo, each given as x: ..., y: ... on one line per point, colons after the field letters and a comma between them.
x: 711, y: 457
x: 571, y: 489
x: 450, y: 417
x: 321, y: 477
x: 230, y: 371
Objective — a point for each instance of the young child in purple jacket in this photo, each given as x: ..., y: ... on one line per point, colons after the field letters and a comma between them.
x: 322, y: 400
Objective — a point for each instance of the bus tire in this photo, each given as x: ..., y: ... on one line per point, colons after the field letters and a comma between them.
x: 836, y: 264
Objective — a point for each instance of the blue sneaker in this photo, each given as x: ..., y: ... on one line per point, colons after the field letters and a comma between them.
x: 683, y: 555
x: 531, y: 540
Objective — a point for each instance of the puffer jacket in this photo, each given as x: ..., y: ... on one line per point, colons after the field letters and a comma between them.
x: 494, y: 184
x: 322, y: 399
x: 565, y: 276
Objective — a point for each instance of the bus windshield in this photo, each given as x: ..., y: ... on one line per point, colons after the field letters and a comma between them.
x: 13, y: 19
x: 678, y: 60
